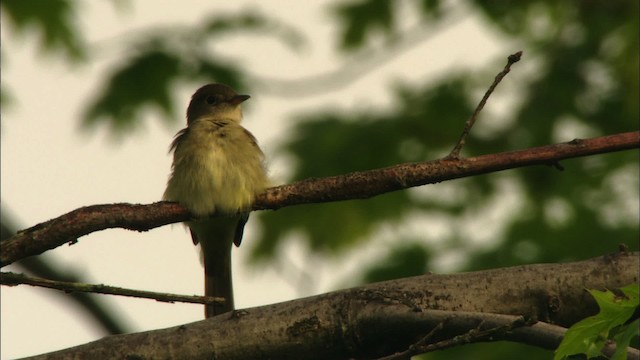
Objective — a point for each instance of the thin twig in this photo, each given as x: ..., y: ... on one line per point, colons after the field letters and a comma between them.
x: 13, y: 279
x: 474, y: 335
x: 414, y: 349
x: 512, y: 59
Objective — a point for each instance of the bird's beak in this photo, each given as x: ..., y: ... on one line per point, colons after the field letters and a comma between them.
x: 238, y: 99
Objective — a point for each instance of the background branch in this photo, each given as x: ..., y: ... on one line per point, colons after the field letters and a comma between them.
x: 358, y: 185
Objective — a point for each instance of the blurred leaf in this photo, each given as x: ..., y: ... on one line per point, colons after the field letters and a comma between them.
x: 583, y: 63
x: 336, y: 143
x: 565, y: 215
x: 226, y: 73
x: 6, y: 98
x: 329, y: 227
x: 576, y: 80
x: 53, y: 20
x: 255, y: 23
x: 146, y: 80
x: 430, y: 7
x: 157, y: 62
x: 404, y: 260
x: 357, y: 18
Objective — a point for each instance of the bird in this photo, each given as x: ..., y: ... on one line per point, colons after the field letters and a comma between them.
x: 218, y: 168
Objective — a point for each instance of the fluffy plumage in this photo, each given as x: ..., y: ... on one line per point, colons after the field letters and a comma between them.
x: 217, y: 167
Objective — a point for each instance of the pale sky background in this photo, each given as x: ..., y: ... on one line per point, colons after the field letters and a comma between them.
x: 50, y: 167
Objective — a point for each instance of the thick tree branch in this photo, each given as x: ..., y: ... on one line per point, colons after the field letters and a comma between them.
x: 366, y: 184
x: 388, y: 318
x: 358, y: 185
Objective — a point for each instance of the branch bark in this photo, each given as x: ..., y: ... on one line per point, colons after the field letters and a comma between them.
x: 12, y: 279
x: 358, y: 185
x: 387, y: 318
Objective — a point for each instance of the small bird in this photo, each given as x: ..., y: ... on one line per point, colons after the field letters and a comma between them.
x: 217, y: 167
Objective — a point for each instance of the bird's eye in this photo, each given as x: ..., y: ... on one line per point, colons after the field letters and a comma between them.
x: 212, y: 100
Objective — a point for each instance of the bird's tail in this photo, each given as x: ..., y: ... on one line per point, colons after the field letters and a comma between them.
x: 218, y: 282
x: 215, y: 237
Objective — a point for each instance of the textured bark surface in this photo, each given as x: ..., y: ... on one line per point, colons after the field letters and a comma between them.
x: 382, y: 318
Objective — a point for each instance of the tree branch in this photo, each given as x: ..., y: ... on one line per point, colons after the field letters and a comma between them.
x: 511, y: 59
x: 103, y: 315
x: 12, y: 279
x: 388, y: 318
x: 358, y: 185
x: 486, y: 330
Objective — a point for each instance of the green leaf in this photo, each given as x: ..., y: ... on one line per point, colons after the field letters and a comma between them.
x: 623, y: 340
x: 616, y: 309
x: 631, y: 292
x: 588, y: 336
x: 584, y: 337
